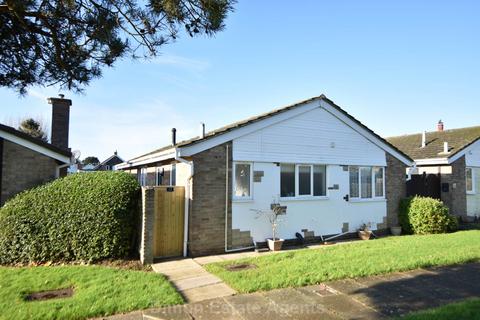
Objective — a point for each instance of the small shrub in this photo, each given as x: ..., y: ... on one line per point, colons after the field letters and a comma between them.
x: 421, y: 215
x: 87, y: 217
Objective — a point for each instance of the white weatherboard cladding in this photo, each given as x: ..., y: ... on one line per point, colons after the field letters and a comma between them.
x: 321, y: 216
x: 472, y: 155
x: 473, y: 200
x: 315, y: 136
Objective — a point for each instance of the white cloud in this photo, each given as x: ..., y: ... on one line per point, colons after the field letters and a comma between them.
x: 131, y: 131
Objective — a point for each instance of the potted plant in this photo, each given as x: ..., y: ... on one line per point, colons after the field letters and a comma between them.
x: 396, y: 231
x: 272, y: 215
x: 364, y: 231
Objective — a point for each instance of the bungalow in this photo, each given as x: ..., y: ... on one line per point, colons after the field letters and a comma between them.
x: 26, y: 162
x: 446, y: 166
x: 331, y: 172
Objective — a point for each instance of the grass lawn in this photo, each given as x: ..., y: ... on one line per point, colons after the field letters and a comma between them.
x: 358, y: 259
x: 97, y: 291
x: 466, y: 310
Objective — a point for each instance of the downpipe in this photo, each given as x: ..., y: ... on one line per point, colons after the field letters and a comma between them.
x: 188, y: 196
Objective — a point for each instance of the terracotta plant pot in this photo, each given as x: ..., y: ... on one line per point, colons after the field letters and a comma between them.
x: 364, y: 235
x: 396, y: 231
x: 275, y: 245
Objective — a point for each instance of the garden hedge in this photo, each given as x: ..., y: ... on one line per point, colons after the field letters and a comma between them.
x: 84, y: 216
x: 422, y: 215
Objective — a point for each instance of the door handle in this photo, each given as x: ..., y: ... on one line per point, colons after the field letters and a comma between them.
x: 346, y: 198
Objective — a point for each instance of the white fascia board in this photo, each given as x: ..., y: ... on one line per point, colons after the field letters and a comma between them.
x: 365, y: 133
x: 431, y: 162
x: 457, y: 156
x: 156, y: 157
x: 35, y: 147
x: 247, y: 129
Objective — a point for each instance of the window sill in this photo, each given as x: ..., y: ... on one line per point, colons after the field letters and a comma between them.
x: 242, y: 200
x: 304, y: 199
x: 471, y: 193
x: 367, y: 200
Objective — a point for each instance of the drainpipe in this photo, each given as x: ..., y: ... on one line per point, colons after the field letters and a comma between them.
x: 227, y: 184
x: 187, y: 200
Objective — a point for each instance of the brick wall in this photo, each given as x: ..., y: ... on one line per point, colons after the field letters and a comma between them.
x: 207, y: 213
x: 23, y: 169
x: 456, y: 198
x: 147, y: 225
x: 395, y: 188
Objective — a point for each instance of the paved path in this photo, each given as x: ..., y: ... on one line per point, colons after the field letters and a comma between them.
x: 377, y: 297
x: 192, y: 281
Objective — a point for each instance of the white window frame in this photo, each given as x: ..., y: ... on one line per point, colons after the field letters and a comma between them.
x: 234, y: 181
x: 374, y: 195
x: 297, y: 183
x: 473, y: 191
x: 143, y: 177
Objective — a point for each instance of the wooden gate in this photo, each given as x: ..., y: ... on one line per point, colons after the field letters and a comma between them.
x: 169, y: 221
x: 425, y: 185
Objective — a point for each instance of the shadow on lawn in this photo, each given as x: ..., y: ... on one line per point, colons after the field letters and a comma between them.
x: 418, y: 290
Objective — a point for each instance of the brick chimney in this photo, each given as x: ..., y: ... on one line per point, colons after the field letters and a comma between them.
x: 60, y: 121
x: 440, y: 126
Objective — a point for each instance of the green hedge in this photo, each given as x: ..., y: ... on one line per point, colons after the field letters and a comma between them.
x: 421, y: 215
x: 86, y: 216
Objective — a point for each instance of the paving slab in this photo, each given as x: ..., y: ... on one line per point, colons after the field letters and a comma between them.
x: 218, y: 290
x: 196, y: 282
x: 169, y: 313
x: 216, y: 309
x: 254, y: 306
x: 348, y: 308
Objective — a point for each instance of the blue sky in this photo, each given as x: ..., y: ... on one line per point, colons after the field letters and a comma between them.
x: 397, y: 67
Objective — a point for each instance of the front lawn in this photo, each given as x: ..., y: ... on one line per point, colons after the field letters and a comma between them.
x: 97, y: 291
x: 358, y: 259
x: 466, y: 310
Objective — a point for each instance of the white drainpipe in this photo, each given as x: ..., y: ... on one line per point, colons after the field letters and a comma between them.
x: 187, y: 201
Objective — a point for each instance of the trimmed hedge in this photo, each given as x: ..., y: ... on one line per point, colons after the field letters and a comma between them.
x: 421, y: 215
x: 85, y: 216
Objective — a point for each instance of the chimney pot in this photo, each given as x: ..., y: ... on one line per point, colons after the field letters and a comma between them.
x: 174, y: 136
x: 202, y: 130
x: 445, y: 147
x: 60, y: 121
x: 440, y: 126
x: 61, y: 95
x: 424, y: 139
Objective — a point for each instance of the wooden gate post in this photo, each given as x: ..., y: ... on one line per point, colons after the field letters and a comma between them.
x: 148, y: 220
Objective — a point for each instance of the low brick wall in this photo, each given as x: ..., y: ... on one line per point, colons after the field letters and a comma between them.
x: 147, y: 225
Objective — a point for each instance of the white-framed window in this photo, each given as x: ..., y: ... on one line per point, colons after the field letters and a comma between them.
x: 303, y: 180
x: 470, y: 180
x: 142, y: 177
x: 159, y: 172
x: 367, y: 182
x: 242, y: 180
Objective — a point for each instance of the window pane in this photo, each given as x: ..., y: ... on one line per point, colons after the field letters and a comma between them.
x: 287, y: 180
x: 378, y: 182
x: 319, y: 181
x: 469, y: 179
x: 304, y: 180
x: 242, y: 180
x: 366, y: 182
x: 173, y: 180
x: 354, y: 182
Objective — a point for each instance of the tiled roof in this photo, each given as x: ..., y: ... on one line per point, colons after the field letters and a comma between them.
x: 458, y: 139
x: 254, y: 119
x: 37, y: 141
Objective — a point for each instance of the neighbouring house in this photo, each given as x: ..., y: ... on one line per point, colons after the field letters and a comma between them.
x: 446, y: 167
x: 26, y: 162
x: 331, y: 172
x: 108, y: 164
